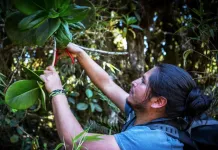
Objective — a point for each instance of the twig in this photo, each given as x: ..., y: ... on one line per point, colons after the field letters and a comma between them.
x: 25, y: 132
x: 79, y: 78
x: 102, y: 51
x: 55, y: 51
x: 202, y: 55
x: 19, y: 58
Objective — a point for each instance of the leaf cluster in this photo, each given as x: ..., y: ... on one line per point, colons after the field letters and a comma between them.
x: 38, y: 20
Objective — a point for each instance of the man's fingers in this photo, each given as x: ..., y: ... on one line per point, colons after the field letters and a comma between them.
x: 43, y: 77
x: 50, y: 68
x: 48, y: 72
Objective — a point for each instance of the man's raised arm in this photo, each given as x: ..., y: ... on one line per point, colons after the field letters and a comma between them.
x: 99, y: 77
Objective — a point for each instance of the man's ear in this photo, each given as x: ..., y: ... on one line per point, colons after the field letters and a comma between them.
x: 158, y: 102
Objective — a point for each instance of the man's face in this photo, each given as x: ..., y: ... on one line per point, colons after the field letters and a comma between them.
x: 140, y: 90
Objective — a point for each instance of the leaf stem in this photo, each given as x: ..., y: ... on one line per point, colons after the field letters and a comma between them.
x: 55, y: 51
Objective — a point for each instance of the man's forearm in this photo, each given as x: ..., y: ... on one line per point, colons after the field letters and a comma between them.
x: 98, y: 76
x: 66, y: 123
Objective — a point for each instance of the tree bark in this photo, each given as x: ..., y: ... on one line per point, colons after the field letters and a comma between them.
x: 135, y: 47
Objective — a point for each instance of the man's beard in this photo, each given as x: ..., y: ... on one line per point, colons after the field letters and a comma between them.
x: 140, y: 107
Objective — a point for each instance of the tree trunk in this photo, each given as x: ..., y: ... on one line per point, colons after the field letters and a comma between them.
x: 135, y: 47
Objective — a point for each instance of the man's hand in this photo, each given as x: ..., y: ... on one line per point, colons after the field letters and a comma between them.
x: 74, y: 49
x: 51, y: 79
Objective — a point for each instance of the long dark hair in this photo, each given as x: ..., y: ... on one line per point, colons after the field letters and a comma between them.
x: 180, y: 90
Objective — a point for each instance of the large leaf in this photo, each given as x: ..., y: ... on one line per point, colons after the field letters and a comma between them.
x: 32, y: 75
x: 46, y: 30
x: 63, y: 36
x: 75, y: 11
x: 30, y: 37
x: 90, y: 18
x: 61, y: 4
x: 33, y: 21
x: 22, y: 94
x: 28, y: 7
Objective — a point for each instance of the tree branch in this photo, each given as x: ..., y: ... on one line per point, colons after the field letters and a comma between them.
x: 102, y: 51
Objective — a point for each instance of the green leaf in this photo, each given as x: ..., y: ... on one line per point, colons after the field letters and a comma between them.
x: 42, y: 96
x: 20, y: 130
x: 136, y: 27
x: 92, y: 138
x: 131, y: 20
x: 89, y: 20
x: 124, y: 33
x: 71, y: 100
x: 33, y: 21
x: 36, y: 36
x: 98, y: 108
x: 80, y: 135
x: 185, y: 55
x: 14, y: 138
x: 53, y: 14
x: 74, y: 94
x: 89, y: 93
x: 7, y: 120
x: 82, y: 106
x: 28, y: 7
x: 77, y: 26
x: 63, y: 36
x: 59, y: 146
x: 212, y: 33
x: 92, y: 105
x: 31, y: 74
x: 75, y: 11
x: 61, y: 4
x: 13, y: 123
x: 46, y: 30
x: 22, y: 98
x: 39, y: 72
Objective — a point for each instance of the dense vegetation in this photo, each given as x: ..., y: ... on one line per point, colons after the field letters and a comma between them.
x: 126, y: 38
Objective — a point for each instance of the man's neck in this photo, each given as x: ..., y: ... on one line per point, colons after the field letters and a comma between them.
x: 144, y: 117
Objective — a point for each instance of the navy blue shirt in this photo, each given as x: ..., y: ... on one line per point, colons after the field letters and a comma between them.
x: 141, y: 137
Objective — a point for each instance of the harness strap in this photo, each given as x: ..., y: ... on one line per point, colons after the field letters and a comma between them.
x: 175, y: 133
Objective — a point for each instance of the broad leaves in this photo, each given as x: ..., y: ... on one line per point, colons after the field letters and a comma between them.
x: 22, y: 94
x: 28, y: 7
x: 63, y: 36
x: 36, y: 36
x: 33, y: 21
x: 38, y: 20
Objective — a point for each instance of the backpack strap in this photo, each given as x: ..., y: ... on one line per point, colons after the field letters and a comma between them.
x: 198, y: 123
x: 175, y: 133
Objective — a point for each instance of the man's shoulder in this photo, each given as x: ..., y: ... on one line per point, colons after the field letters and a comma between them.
x: 143, y: 137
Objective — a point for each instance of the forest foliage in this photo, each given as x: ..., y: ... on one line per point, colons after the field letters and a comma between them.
x: 126, y: 38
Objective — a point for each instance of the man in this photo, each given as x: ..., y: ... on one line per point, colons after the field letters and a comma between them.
x: 146, y: 102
